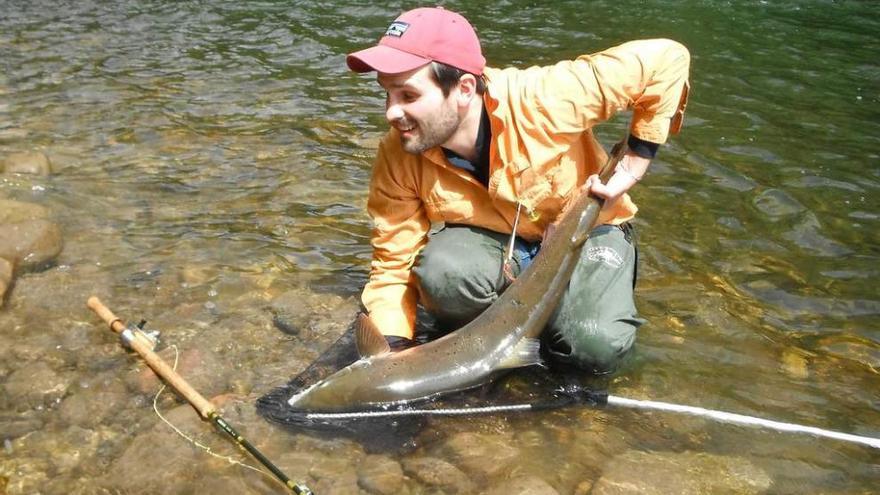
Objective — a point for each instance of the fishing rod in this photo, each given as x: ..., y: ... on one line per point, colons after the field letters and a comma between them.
x: 597, y: 398
x: 135, y: 338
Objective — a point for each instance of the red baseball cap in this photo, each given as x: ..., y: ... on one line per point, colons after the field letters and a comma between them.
x: 421, y: 36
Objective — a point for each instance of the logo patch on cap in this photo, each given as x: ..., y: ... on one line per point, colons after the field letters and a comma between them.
x: 396, y: 29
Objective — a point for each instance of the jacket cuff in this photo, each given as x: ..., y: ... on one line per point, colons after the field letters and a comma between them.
x: 645, y: 149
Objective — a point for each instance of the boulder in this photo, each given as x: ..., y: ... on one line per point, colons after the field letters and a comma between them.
x: 5, y: 278
x: 34, y: 385
x: 483, y: 457
x: 380, y: 474
x: 29, y: 162
x: 28, y: 240
x: 30, y: 244
x: 523, y: 485
x: 437, y: 473
x: 18, y: 211
x: 637, y: 472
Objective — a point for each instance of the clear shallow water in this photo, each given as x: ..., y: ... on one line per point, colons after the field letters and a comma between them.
x: 212, y: 159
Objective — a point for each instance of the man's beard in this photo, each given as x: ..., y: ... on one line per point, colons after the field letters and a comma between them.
x: 433, y: 133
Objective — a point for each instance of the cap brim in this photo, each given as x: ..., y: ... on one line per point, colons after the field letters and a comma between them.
x: 385, y: 59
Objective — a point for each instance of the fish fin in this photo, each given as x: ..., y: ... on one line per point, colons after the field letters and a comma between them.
x: 368, y: 339
x: 525, y: 353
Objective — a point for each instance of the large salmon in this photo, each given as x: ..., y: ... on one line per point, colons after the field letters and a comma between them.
x: 502, y: 337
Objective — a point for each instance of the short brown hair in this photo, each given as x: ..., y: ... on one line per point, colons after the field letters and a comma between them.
x: 448, y: 76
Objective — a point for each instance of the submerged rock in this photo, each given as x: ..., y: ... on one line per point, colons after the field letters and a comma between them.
x: 523, y: 485
x: 14, y: 425
x: 30, y: 244
x: 18, y: 211
x: 158, y: 460
x: 380, y: 474
x: 29, y: 162
x: 28, y: 240
x: 34, y: 385
x: 438, y: 473
x: 482, y: 456
x: 5, y: 278
x: 637, y: 472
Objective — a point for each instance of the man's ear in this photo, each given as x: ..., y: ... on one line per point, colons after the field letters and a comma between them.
x: 467, y: 89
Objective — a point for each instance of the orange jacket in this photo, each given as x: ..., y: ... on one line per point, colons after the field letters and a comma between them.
x: 542, y: 150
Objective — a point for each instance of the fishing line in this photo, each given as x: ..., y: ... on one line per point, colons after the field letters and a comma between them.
x: 192, y: 440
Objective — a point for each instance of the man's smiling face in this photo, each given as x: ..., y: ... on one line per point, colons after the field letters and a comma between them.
x: 416, y: 107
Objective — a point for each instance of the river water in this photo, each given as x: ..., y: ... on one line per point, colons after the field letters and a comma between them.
x: 211, y: 166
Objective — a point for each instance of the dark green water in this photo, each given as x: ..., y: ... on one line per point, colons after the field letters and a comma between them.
x: 212, y: 162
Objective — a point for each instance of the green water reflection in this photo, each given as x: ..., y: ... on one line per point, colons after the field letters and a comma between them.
x: 212, y: 163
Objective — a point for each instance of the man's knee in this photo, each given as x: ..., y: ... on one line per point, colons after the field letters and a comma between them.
x: 457, y: 279
x: 595, y: 347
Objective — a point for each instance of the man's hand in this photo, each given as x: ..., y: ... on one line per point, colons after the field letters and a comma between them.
x: 629, y: 171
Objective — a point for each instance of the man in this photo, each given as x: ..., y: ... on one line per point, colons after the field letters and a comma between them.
x: 475, y: 155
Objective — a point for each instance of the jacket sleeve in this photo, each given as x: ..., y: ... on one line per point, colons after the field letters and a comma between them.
x: 400, y: 227
x: 648, y: 76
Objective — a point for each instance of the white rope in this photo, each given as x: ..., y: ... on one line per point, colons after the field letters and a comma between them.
x: 741, y: 419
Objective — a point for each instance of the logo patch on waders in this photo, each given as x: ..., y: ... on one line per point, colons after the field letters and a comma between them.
x: 605, y: 255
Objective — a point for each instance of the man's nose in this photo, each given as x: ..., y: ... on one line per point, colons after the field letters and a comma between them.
x: 393, y: 112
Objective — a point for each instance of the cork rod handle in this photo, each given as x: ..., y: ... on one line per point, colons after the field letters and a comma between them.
x: 139, y: 345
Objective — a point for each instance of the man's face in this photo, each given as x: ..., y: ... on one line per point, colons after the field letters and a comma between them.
x: 416, y: 107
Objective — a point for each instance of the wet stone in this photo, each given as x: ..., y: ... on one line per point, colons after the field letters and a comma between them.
x: 30, y: 244
x: 523, y: 485
x: 481, y: 456
x: 34, y: 385
x: 295, y: 464
x: 380, y: 474
x: 202, y: 369
x: 5, y: 278
x: 24, y: 475
x: 89, y: 408
x: 776, y: 203
x: 341, y: 482
x: 14, y: 425
x: 29, y: 162
x: 18, y: 211
x: 438, y: 473
x: 13, y: 134
x: 159, y: 450
x: 794, y: 364
x: 637, y: 472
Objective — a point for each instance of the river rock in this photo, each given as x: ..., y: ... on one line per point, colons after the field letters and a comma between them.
x: 523, y: 485
x: 158, y: 460
x: 481, y: 456
x: 380, y: 474
x: 89, y: 408
x: 29, y: 162
x: 5, y: 278
x: 30, y: 244
x: 24, y: 474
x: 27, y: 238
x: 18, y: 211
x: 14, y: 425
x: 34, y: 385
x: 438, y: 473
x: 637, y: 472
x: 201, y: 368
